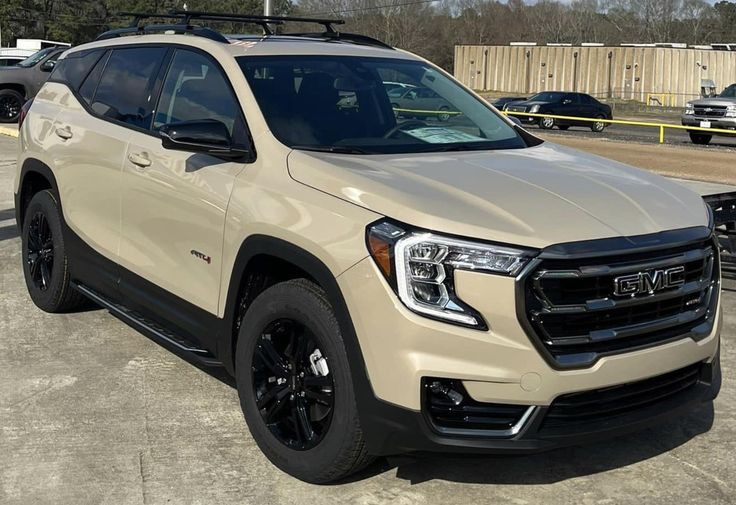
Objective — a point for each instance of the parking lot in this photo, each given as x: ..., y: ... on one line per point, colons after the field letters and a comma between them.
x: 93, y: 412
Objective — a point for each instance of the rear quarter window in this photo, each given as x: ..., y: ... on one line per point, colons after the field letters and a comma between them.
x: 73, y: 69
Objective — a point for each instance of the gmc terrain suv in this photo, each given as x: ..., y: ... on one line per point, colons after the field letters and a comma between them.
x: 376, y: 285
x: 716, y: 112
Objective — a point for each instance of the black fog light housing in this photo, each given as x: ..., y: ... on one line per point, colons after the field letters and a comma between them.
x: 450, y: 410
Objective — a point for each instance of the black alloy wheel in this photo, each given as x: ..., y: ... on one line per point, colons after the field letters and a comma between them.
x: 40, y: 251
x: 11, y: 103
x: 293, y: 388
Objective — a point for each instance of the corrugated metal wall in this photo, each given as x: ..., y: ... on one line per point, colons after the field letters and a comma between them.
x: 631, y: 73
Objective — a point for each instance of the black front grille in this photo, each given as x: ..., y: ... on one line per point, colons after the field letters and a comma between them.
x: 576, y: 410
x: 711, y: 111
x: 574, y: 312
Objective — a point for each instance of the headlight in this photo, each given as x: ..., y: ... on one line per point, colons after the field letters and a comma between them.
x: 420, y: 267
x: 731, y: 111
x: 689, y: 109
x: 534, y: 108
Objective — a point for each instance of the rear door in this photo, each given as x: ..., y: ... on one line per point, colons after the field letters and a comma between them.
x: 174, y: 202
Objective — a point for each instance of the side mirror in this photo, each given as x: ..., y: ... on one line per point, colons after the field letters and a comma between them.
x: 206, y: 136
x: 48, y: 65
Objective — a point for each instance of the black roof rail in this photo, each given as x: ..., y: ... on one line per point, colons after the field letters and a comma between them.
x: 355, y: 38
x: 161, y: 28
x: 265, y: 22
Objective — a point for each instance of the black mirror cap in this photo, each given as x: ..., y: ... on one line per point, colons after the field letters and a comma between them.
x: 515, y: 120
x: 48, y: 65
x: 202, y: 136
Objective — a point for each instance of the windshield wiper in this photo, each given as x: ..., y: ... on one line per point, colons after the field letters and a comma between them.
x: 333, y: 149
x: 439, y: 148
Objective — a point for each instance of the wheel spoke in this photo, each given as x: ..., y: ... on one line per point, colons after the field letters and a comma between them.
x: 323, y: 397
x: 272, y: 394
x: 270, y: 357
x: 275, y: 408
x: 302, y: 419
x: 45, y: 275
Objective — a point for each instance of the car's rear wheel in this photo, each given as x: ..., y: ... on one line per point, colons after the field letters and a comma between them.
x: 45, y: 258
x: 546, y: 123
x: 598, y: 126
x: 700, y: 138
x: 11, y: 103
x: 294, y: 384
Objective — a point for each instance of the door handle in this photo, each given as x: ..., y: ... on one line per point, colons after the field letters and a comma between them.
x: 140, y: 160
x: 64, y: 133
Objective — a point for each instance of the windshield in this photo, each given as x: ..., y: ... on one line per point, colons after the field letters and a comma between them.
x: 729, y: 92
x: 35, y: 57
x: 547, y: 97
x: 371, y: 106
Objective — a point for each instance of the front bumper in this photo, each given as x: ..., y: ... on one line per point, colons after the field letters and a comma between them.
x: 715, y: 122
x: 501, y: 366
x: 393, y: 430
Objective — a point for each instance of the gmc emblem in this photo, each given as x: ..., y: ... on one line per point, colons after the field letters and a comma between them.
x: 649, y: 282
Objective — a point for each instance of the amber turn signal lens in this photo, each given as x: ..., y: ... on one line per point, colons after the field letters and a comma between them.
x: 381, y: 252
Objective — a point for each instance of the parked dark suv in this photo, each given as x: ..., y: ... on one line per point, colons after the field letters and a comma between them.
x: 22, y: 81
x: 560, y: 103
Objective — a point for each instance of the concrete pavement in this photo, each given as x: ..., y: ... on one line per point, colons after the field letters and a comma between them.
x: 92, y: 412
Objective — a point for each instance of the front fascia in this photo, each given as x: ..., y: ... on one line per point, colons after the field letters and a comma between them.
x: 499, y: 365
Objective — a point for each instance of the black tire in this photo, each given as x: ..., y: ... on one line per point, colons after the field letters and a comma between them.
x: 10, y: 104
x: 45, y: 259
x: 546, y: 123
x: 702, y: 139
x: 338, y: 449
x: 598, y: 126
x: 564, y: 127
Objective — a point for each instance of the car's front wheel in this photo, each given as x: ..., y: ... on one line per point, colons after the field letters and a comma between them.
x: 45, y: 256
x: 700, y: 138
x: 546, y: 123
x: 295, y: 386
x: 11, y: 103
x: 598, y: 126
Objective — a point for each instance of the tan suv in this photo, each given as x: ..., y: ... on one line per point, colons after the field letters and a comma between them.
x: 378, y: 281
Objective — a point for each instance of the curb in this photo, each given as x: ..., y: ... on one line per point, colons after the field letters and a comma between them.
x: 10, y: 132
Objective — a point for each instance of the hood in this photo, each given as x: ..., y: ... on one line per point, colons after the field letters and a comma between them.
x: 723, y: 102
x: 532, y: 197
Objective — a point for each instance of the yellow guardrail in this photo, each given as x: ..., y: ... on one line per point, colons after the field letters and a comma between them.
x: 661, y: 126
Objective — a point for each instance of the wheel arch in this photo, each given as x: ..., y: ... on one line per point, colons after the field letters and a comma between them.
x: 15, y: 87
x: 34, y: 176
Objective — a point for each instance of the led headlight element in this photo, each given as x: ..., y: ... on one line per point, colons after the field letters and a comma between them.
x: 689, y: 109
x: 420, y: 267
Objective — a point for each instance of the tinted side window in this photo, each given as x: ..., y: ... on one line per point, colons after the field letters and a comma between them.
x: 124, y: 92
x: 196, y: 89
x: 587, y: 99
x: 87, y: 90
x: 74, y: 68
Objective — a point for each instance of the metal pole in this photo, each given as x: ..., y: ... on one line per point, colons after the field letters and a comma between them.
x: 267, y: 8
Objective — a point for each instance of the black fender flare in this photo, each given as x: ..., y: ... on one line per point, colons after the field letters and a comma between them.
x: 368, y: 405
x: 33, y: 166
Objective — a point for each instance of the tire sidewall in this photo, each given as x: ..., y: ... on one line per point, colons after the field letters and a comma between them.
x: 283, y: 301
x: 546, y: 123
x: 46, y: 203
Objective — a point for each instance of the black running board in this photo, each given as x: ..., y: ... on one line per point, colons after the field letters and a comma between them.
x: 151, y: 329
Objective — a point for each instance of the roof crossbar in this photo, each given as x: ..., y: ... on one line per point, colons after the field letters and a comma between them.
x: 186, y: 18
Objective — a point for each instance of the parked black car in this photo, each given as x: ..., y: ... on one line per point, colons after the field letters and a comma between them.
x: 562, y: 103
x: 22, y: 81
x: 500, y: 102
